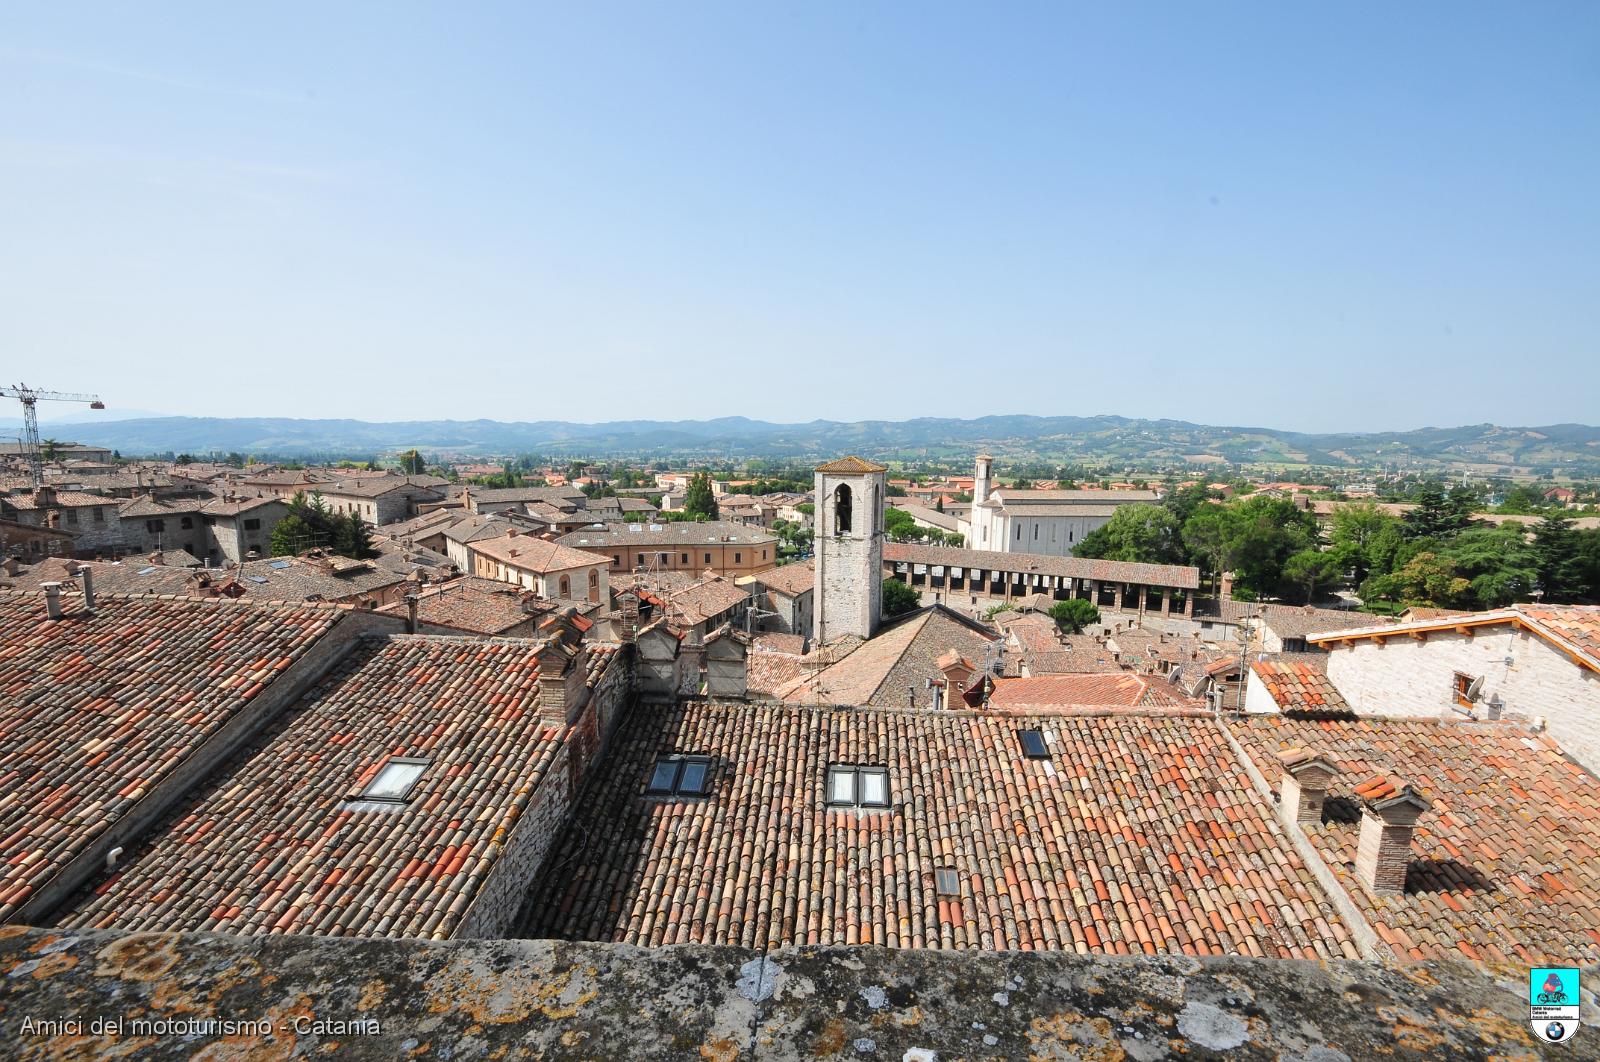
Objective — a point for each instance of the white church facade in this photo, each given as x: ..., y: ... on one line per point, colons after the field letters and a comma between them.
x: 1051, y: 522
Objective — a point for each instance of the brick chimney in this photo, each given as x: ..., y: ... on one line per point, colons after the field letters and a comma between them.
x: 1304, y: 785
x: 1225, y: 591
x: 1388, y: 817
x: 555, y: 659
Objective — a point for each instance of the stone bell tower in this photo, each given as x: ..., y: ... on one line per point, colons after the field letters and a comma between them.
x: 848, y: 596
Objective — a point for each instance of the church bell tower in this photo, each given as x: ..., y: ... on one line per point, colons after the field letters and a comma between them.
x: 848, y: 595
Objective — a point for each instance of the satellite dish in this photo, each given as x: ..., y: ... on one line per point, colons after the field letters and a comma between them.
x: 1475, y: 688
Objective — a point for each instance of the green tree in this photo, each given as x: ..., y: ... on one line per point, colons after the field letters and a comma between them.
x: 899, y: 526
x: 1561, y: 572
x: 1308, y: 573
x: 1364, y: 539
x: 351, y: 537
x: 49, y: 448
x: 1427, y: 579
x: 1074, y: 614
x: 938, y: 504
x: 699, y: 501
x: 1438, y: 515
x: 1149, y: 534
x: 1499, y: 563
x: 898, y: 598
x: 411, y: 463
x: 291, y: 535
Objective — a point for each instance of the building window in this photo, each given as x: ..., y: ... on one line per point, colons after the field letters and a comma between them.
x: 1466, y: 689
x: 841, y: 509
x: 738, y: 558
x: 187, y: 523
x: 685, y: 559
x: 858, y: 787
x: 680, y: 776
x: 1033, y: 745
x: 252, y: 525
x: 1019, y: 532
x: 155, y: 527
x: 72, y: 516
x: 99, y: 516
x: 566, y: 587
x: 946, y: 882
x: 708, y: 558
x: 616, y: 561
x: 641, y: 560
x: 763, y: 554
x: 395, y: 780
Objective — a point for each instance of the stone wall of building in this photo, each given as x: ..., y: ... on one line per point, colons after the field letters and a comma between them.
x: 1405, y: 676
x: 848, y: 593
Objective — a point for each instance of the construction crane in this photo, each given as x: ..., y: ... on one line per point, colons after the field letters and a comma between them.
x: 29, y: 397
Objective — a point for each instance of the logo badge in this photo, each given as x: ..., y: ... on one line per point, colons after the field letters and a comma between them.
x: 1553, y: 1002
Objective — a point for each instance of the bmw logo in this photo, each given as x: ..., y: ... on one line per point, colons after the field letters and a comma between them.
x: 1555, y: 1030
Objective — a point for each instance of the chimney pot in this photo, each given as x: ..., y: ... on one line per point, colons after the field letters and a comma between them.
x: 411, y: 613
x: 88, y: 587
x: 52, y: 599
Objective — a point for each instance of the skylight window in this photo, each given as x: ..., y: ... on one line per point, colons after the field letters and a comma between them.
x: 257, y: 578
x: 146, y: 571
x: 395, y: 780
x: 858, y: 787
x: 278, y: 564
x: 946, y: 882
x: 680, y: 776
x: 1033, y: 745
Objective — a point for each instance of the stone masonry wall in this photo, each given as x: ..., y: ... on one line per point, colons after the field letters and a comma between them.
x: 1410, y: 677
x: 315, y: 997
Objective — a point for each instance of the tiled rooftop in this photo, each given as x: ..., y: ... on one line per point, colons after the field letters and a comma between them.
x: 95, y: 710
x: 790, y: 579
x: 272, y: 844
x: 890, y: 669
x: 1506, y: 863
x: 1300, y: 687
x: 1158, y: 575
x: 1137, y: 835
x: 1044, y: 692
x: 534, y: 554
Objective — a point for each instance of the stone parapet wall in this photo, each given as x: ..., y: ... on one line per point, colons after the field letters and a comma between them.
x: 386, y: 999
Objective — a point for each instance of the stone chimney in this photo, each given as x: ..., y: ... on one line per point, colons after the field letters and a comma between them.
x: 88, y: 587
x: 1388, y: 817
x: 555, y: 658
x: 411, y: 613
x: 44, y: 496
x: 52, y: 599
x: 1304, y: 785
x: 957, y: 672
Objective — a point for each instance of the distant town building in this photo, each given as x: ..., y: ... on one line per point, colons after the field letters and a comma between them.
x: 1050, y: 522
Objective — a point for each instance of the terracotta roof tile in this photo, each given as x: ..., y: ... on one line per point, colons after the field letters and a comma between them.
x: 1139, y: 835
x: 1506, y: 860
x: 1300, y: 688
x: 97, y: 709
x: 274, y: 844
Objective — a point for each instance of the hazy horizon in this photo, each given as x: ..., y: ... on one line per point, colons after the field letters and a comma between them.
x: 1359, y: 219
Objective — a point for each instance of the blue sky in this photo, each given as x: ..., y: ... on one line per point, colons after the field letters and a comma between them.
x: 1322, y: 217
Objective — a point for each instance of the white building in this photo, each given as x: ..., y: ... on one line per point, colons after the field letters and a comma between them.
x: 1038, y: 521
x: 1529, y: 662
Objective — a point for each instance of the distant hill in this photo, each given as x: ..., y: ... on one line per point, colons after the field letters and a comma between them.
x: 1119, y: 441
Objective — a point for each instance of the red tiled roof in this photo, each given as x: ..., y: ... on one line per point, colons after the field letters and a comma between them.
x: 1506, y: 861
x: 1298, y: 686
x: 1044, y: 691
x: 1076, y: 567
x: 276, y: 845
x: 96, y: 710
x: 850, y: 465
x: 1138, y: 836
